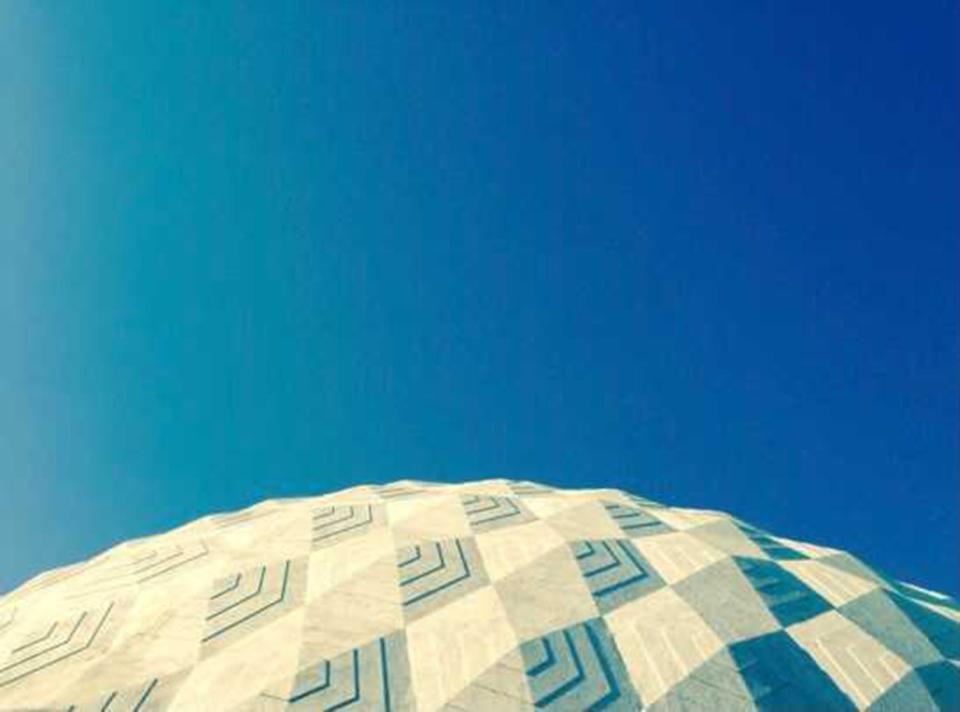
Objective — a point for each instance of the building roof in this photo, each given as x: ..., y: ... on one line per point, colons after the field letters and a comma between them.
x: 495, y: 594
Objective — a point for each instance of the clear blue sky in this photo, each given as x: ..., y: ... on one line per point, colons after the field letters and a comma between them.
x: 707, y: 252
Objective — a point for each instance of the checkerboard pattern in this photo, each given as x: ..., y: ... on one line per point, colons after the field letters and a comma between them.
x: 486, y: 595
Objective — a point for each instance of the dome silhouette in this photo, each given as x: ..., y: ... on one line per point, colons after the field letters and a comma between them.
x: 489, y: 595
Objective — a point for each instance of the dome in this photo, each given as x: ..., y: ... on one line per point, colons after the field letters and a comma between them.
x: 494, y: 594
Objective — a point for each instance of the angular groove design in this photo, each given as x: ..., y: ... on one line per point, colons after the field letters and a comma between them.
x: 148, y: 567
x: 492, y: 595
x: 75, y: 639
x: 790, y: 600
x: 334, y: 523
x: 485, y: 513
x: 635, y: 522
x: 577, y: 668
x: 429, y: 569
x: 365, y: 678
x: 233, y: 608
x: 232, y: 520
x: 770, y: 546
x: 610, y: 566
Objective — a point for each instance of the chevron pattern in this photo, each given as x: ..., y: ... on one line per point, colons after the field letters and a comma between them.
x: 770, y: 546
x: 528, y: 489
x: 635, y: 522
x: 150, y: 565
x: 232, y: 520
x: 333, y: 524
x: 245, y: 596
x: 486, y: 513
x: 788, y: 598
x: 60, y: 641
x: 491, y: 595
x: 614, y: 571
x: 577, y: 668
x: 398, y: 491
x: 133, y: 700
x: 373, y: 676
x: 433, y: 569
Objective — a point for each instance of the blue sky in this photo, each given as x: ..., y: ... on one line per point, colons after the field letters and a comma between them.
x: 704, y: 251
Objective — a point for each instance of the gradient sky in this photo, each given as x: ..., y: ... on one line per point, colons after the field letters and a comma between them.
x: 704, y: 251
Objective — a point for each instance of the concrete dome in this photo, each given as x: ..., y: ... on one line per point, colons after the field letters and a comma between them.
x: 486, y: 595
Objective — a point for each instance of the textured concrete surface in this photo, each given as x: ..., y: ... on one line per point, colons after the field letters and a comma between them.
x: 486, y: 595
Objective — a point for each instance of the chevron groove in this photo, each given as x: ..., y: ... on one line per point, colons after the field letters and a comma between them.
x: 570, y: 683
x: 787, y: 597
x: 38, y: 640
x: 232, y: 520
x: 63, y: 642
x: 341, y: 682
x: 179, y: 558
x: 314, y: 685
x: 137, y: 571
x: 132, y: 698
x: 399, y: 491
x: 549, y: 659
x: 230, y: 587
x: 146, y: 694
x: 14, y: 671
x: 337, y: 520
x: 417, y: 555
x: 527, y: 489
x: 247, y: 606
x: 573, y: 667
x: 438, y: 566
x: 407, y: 596
x: 240, y: 601
x: 486, y: 510
x: 609, y: 566
x: 770, y: 546
x: 633, y: 521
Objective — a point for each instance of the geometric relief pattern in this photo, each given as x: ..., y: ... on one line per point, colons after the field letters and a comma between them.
x: 146, y: 567
x: 528, y: 489
x: 578, y: 668
x: 232, y: 520
x: 62, y: 640
x: 635, y: 522
x: 770, y: 546
x: 491, y: 595
x: 158, y: 564
x: 486, y: 513
x: 433, y: 573
x: 333, y: 524
x: 614, y: 571
x: 790, y: 600
x: 152, y: 694
x: 240, y: 601
x: 374, y: 676
x: 134, y: 700
x: 397, y: 491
